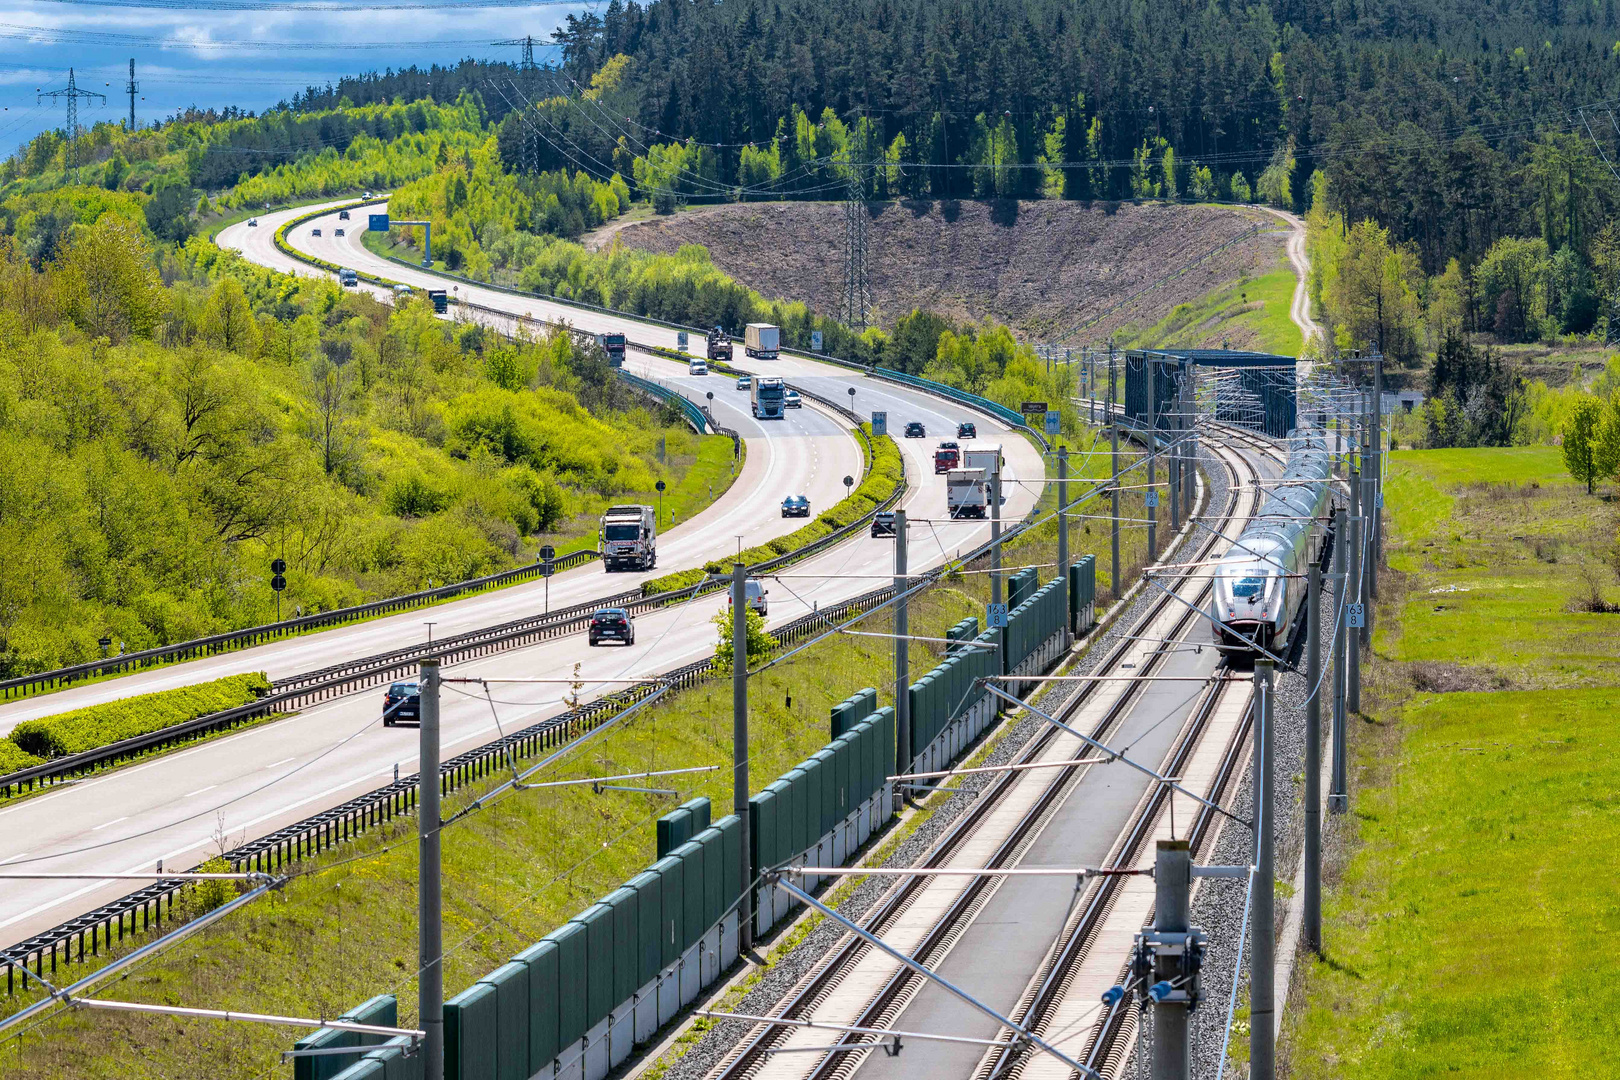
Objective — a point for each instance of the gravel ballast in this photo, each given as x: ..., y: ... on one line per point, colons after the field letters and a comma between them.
x: 786, y: 970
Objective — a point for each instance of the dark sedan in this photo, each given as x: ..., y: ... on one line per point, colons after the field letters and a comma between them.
x: 403, y: 702
x: 883, y: 523
x: 612, y: 624
x: 796, y: 506
x: 966, y: 430
x: 915, y: 430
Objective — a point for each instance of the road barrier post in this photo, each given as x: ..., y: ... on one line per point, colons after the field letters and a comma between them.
x: 1172, y: 915
x: 1262, y: 1036
x: 1338, y: 800
x: 1313, y: 760
x: 430, y: 929
x: 902, y: 655
x: 739, y: 745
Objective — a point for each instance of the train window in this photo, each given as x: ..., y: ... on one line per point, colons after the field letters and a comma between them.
x: 1249, y: 586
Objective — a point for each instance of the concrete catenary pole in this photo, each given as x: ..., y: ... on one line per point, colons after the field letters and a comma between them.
x: 1172, y: 913
x: 1379, y: 457
x: 430, y: 922
x: 1113, y: 505
x: 1262, y: 1008
x: 1152, y: 461
x: 739, y: 744
x: 1337, y: 801
x: 902, y: 654
x: 1189, y: 469
x: 1369, y: 565
x: 1063, y: 529
x: 1314, y: 686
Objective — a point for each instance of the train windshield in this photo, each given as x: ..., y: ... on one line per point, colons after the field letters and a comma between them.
x: 1249, y: 586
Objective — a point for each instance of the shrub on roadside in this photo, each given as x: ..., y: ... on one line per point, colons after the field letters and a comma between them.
x: 100, y: 725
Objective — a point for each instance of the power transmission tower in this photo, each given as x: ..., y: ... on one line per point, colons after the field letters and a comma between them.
x: 527, y: 71
x: 857, y: 285
x: 130, y: 89
x: 72, y: 94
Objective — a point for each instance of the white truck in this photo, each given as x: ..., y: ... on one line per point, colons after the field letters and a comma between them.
x: 966, y: 493
x: 629, y: 538
x: 986, y: 457
x: 767, y: 397
x: 762, y: 340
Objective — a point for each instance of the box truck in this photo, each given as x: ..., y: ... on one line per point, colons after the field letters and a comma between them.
x: 762, y: 341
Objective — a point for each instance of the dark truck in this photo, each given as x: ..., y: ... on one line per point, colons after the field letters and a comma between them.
x: 613, y: 345
x: 719, y: 345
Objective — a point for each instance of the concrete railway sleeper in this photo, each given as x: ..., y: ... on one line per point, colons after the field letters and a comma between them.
x: 759, y: 1052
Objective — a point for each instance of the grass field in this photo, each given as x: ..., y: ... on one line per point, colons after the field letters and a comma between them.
x: 1462, y: 933
x: 1250, y: 313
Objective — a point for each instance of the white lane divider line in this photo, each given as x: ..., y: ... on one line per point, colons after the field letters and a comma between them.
x: 199, y: 791
x: 109, y: 824
x: 14, y: 858
x: 283, y: 761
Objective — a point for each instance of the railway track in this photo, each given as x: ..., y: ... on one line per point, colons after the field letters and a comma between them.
x: 858, y: 986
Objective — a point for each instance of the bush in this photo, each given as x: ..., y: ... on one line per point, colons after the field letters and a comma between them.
x: 100, y: 725
x: 13, y: 759
x: 883, y: 476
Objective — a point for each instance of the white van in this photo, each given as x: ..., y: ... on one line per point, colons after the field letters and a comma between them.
x: 754, y: 594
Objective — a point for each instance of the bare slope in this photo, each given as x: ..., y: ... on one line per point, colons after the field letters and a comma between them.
x: 1042, y: 267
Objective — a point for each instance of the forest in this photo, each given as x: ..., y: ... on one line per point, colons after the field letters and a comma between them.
x: 172, y: 418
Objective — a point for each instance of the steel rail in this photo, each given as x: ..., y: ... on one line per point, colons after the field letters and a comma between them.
x: 749, y: 1054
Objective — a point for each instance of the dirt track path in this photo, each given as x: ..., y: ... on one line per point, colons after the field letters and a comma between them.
x: 1300, y: 311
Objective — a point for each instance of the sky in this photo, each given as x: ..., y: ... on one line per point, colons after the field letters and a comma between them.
x: 249, y: 53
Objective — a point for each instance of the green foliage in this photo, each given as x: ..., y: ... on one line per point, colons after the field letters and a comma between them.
x: 988, y: 361
x: 12, y: 759
x: 1581, y: 442
x: 100, y: 725
x: 760, y: 643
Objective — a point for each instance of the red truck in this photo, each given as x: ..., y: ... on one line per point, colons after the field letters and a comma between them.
x: 947, y: 457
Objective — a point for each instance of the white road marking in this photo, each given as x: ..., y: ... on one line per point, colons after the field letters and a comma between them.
x: 199, y: 791
x: 107, y: 824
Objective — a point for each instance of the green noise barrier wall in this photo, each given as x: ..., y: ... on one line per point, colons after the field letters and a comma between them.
x: 575, y: 1004
x: 1083, y: 594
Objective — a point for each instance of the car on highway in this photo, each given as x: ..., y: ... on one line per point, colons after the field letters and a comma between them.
x: 743, y: 383
x: 792, y: 400
x: 612, y: 624
x: 253, y: 223
x: 348, y: 278
x: 343, y: 215
x: 965, y: 430
x: 697, y: 366
x: 402, y: 702
x: 337, y: 232
x: 403, y: 292
x: 796, y: 506
x: 947, y: 457
x: 754, y: 594
x: 314, y: 232
x: 883, y: 523
x: 915, y: 430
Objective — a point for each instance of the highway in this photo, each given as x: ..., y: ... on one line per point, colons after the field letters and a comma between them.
x: 808, y: 453
x: 177, y: 808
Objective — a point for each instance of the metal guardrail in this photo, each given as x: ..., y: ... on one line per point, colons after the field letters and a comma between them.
x: 23, y: 685
x: 694, y: 415
x: 321, y: 831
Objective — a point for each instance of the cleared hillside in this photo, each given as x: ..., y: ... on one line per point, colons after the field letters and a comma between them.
x: 1041, y: 267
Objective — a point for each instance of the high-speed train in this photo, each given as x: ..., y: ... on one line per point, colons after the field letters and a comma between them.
x: 1260, y: 582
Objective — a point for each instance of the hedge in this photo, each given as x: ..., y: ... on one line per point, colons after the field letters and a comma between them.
x: 883, y: 475
x: 12, y: 759
x: 98, y: 725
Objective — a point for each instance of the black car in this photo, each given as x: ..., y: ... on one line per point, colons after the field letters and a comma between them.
x: 883, y: 523
x: 966, y: 431
x: 915, y: 430
x: 403, y: 702
x: 796, y: 506
x: 343, y: 215
x: 612, y: 624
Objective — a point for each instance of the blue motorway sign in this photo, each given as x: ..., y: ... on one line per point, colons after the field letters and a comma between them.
x: 377, y: 222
